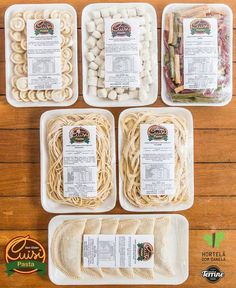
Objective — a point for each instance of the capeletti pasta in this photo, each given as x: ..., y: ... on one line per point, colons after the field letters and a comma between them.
x: 41, y: 54
x: 79, y: 176
x: 154, y: 171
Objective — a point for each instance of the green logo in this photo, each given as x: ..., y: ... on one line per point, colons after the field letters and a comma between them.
x: 200, y: 26
x: 79, y: 135
x: 145, y: 251
x: 214, y: 239
x: 157, y: 132
x: 25, y: 255
x: 43, y: 27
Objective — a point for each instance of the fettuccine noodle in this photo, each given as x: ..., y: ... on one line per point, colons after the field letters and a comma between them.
x: 130, y: 159
x: 104, y: 158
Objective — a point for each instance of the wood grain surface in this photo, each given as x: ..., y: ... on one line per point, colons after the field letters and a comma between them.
x: 215, y: 173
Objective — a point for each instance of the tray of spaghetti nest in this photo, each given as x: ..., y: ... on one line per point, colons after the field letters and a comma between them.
x: 156, y: 159
x: 78, y: 170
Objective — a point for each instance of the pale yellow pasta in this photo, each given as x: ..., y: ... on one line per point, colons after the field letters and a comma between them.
x: 67, y: 246
x: 18, y: 37
x: 104, y: 159
x: 130, y: 159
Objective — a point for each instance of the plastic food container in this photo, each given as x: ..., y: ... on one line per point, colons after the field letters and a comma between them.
x: 119, y: 10
x: 126, y: 204
x: 17, y: 44
x: 178, y: 244
x: 54, y: 207
x: 206, y: 54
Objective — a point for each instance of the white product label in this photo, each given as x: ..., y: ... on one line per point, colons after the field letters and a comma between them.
x: 122, y: 61
x: 118, y: 251
x: 157, y: 159
x: 200, y: 53
x: 44, y: 54
x: 79, y: 161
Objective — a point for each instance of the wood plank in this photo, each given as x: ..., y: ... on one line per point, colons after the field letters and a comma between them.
x: 215, y: 145
x: 19, y: 145
x: 24, y: 145
x: 20, y: 179
x: 23, y: 179
x: 207, y: 212
x: 204, y: 117
x: 79, y: 5
x: 197, y: 246
x: 215, y: 179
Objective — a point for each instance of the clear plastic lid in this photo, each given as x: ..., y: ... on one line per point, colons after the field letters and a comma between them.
x: 197, y: 54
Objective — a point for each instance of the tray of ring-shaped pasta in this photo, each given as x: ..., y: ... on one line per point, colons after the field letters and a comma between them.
x: 23, y: 88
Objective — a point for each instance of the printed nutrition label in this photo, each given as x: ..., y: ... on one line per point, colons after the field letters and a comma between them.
x: 157, y: 159
x: 44, y: 54
x: 200, y: 53
x: 122, y: 61
x: 79, y: 161
x: 118, y: 251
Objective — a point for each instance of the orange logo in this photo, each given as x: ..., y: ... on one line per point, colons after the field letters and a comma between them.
x: 25, y: 255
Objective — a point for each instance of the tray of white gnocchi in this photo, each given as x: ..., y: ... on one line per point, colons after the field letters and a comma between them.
x: 41, y: 55
x: 119, y: 54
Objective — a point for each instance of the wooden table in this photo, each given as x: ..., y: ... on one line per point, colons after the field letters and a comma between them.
x: 215, y: 174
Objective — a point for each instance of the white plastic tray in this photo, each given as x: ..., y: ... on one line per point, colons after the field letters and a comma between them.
x: 180, y: 250
x: 34, y: 7
x: 152, y: 95
x: 172, y: 7
x: 167, y: 207
x: 55, y: 207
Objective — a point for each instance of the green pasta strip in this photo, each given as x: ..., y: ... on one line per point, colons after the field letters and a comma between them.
x: 172, y: 62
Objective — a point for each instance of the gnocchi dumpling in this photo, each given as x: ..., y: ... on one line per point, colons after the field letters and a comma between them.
x: 95, y: 53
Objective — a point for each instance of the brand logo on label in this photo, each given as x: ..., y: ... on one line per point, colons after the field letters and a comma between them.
x: 79, y: 135
x: 145, y: 251
x: 214, y: 239
x: 43, y: 27
x: 120, y: 29
x: 157, y: 132
x: 25, y: 255
x: 213, y: 274
x: 200, y: 26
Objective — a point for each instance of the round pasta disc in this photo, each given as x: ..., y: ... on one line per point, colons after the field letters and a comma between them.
x: 57, y: 96
x: 16, y: 94
x: 24, y: 96
x: 40, y: 95
x: 22, y: 83
x: 16, y: 47
x: 17, y: 24
x: 32, y: 96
